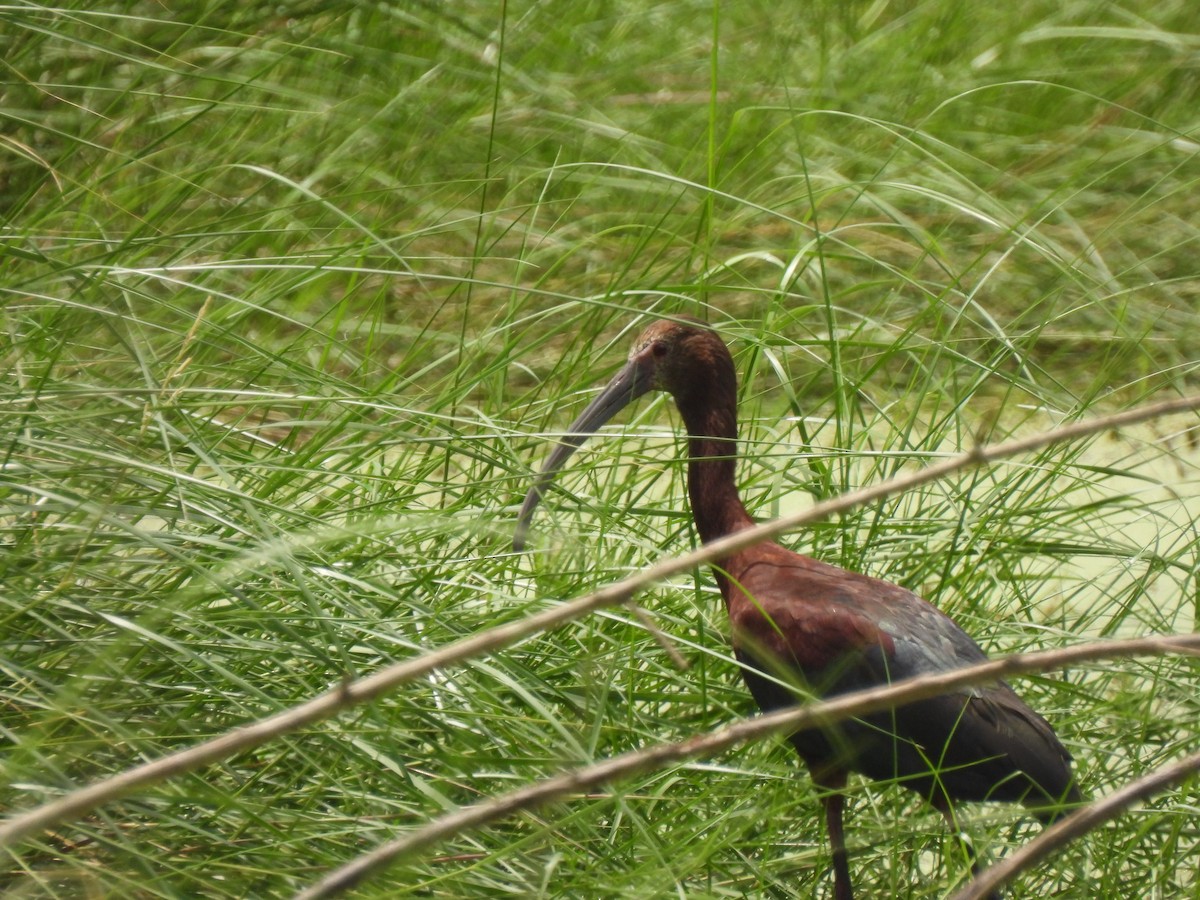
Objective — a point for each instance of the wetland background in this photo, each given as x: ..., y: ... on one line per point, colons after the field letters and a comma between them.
x: 294, y: 298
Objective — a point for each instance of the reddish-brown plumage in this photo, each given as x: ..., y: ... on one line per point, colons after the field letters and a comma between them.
x: 791, y: 607
x: 799, y: 625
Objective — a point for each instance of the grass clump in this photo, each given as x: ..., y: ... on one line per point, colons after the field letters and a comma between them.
x: 294, y: 298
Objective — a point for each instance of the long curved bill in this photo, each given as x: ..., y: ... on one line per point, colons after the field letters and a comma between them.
x: 626, y: 386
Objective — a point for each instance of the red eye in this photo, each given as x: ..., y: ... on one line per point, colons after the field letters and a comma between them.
x: 659, y: 349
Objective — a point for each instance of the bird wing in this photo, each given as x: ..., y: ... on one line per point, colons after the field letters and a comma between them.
x: 843, y: 631
x: 796, y: 615
x: 814, y: 616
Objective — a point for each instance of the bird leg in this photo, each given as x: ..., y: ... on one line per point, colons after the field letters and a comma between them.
x: 834, y: 801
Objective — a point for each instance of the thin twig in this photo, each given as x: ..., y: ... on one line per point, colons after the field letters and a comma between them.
x: 1077, y: 824
x: 81, y: 801
x: 664, y: 640
x: 658, y: 755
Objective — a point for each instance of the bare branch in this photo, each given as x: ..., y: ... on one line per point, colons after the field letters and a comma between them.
x: 663, y: 639
x: 81, y: 801
x: 659, y: 755
x: 1077, y: 824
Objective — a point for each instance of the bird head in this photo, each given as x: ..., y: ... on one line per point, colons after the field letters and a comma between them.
x: 662, y: 358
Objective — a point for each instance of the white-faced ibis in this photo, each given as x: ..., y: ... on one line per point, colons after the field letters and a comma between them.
x: 795, y: 619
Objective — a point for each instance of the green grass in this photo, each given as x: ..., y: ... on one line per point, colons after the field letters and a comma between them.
x: 293, y: 298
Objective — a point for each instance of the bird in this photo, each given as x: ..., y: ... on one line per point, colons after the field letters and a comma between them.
x: 795, y: 620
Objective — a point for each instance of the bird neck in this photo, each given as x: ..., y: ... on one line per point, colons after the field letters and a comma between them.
x: 712, y: 446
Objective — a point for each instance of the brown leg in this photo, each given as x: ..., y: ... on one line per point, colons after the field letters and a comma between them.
x: 833, y: 783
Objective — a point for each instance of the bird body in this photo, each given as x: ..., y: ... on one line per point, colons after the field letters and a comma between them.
x: 838, y: 631
x: 801, y: 626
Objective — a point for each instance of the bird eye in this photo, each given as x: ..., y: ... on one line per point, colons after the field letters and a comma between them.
x: 659, y: 349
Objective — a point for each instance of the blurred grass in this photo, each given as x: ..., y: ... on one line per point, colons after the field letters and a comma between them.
x: 294, y: 296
